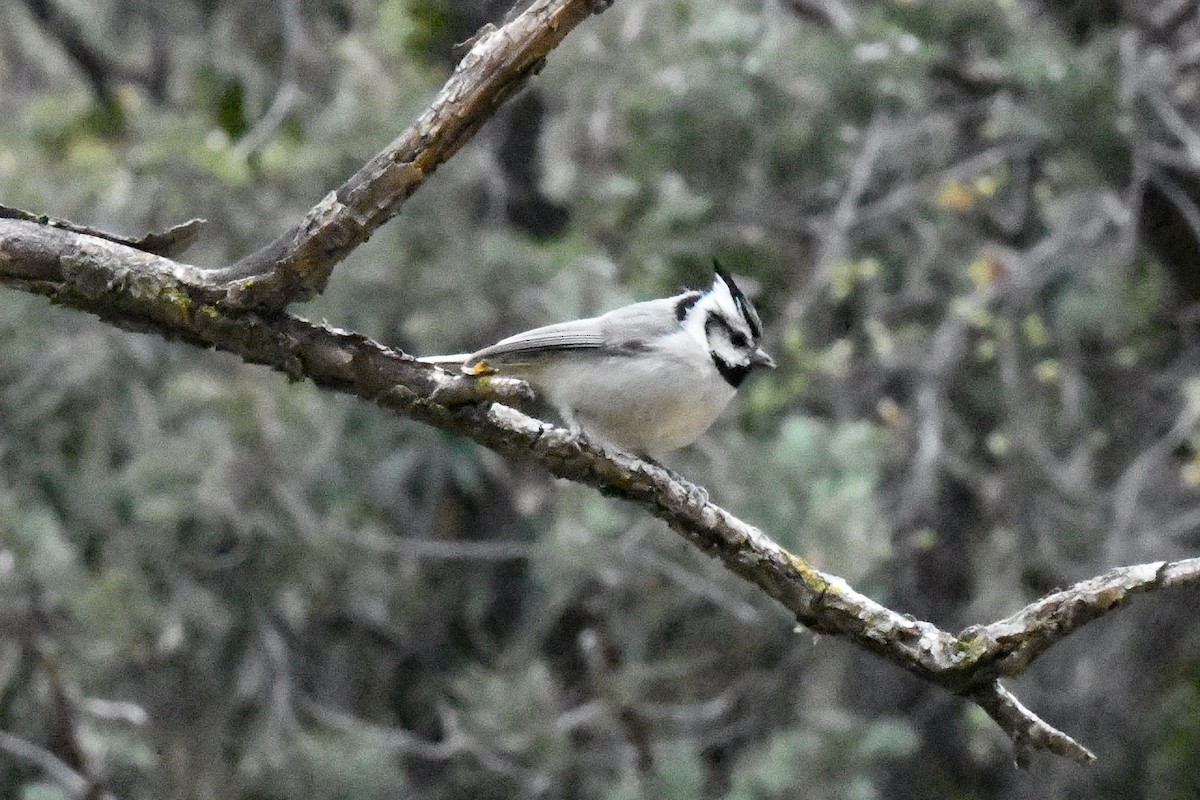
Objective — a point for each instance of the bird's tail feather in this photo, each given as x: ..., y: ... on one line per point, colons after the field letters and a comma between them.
x: 456, y: 360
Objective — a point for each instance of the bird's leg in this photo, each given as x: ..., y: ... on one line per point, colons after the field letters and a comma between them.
x: 577, y: 433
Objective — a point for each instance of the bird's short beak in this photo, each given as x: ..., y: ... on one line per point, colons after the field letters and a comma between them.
x: 759, y: 358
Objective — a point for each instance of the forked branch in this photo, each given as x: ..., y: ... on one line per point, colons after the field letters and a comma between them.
x: 296, y: 266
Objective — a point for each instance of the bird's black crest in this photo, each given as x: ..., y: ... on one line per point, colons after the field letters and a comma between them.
x: 744, y: 305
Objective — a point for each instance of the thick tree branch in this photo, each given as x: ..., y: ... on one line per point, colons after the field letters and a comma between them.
x: 142, y: 291
x: 296, y: 266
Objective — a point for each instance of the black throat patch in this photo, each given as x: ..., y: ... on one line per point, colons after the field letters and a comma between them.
x: 733, y: 374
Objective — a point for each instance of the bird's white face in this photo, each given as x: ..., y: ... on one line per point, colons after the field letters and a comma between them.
x: 729, y: 328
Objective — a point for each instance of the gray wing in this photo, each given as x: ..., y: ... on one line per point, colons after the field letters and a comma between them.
x: 522, y: 348
x: 625, y: 330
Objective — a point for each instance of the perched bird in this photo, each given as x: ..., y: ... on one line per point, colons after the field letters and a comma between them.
x: 649, y: 377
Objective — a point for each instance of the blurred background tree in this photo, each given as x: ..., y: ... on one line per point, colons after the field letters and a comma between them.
x: 974, y: 232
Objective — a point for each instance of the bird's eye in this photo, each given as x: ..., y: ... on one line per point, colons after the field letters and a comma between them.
x: 738, y: 340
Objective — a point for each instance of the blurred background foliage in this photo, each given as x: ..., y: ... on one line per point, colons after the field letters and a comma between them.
x: 974, y: 234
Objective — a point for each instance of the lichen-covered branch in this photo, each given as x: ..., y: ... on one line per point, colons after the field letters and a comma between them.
x: 296, y: 266
x: 1010, y: 645
x: 143, y: 291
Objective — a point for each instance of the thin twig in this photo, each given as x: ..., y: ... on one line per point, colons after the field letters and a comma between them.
x: 289, y: 94
x: 1027, y: 730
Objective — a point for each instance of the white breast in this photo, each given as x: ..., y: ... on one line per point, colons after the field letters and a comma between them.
x: 646, y: 405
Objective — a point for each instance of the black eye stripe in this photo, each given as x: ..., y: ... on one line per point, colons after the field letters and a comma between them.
x: 733, y: 375
x: 736, y: 337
